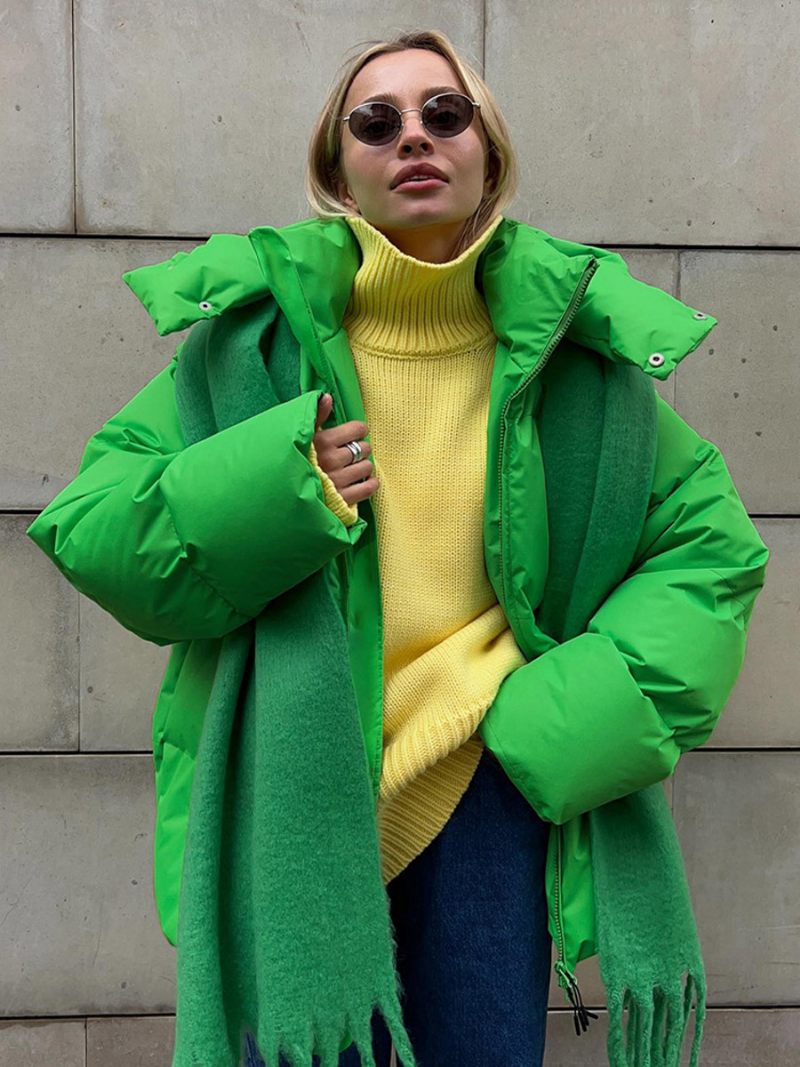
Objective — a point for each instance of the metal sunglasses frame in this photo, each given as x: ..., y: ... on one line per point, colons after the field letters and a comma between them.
x: 402, y: 111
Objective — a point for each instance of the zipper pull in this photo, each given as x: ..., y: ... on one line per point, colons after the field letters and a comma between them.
x: 580, y: 1013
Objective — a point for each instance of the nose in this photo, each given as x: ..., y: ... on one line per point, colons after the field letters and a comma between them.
x: 412, y: 132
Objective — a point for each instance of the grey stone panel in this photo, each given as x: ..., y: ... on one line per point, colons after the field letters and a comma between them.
x: 742, y: 386
x: 80, y: 933
x: 658, y: 124
x: 120, y: 679
x: 39, y: 649
x: 762, y: 709
x: 37, y: 172
x: 737, y: 815
x: 143, y: 1041
x: 34, y: 1042
x: 171, y: 142
x: 93, y: 347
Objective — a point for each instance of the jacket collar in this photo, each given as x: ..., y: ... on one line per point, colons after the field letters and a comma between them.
x: 527, y: 278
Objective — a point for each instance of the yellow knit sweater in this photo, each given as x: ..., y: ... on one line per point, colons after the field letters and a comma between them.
x: 423, y: 348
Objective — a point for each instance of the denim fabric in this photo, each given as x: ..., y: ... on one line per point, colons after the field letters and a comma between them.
x: 473, y: 948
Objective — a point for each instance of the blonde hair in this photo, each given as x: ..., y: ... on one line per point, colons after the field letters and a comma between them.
x: 324, y: 150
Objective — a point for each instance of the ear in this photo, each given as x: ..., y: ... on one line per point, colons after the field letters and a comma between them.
x: 343, y: 194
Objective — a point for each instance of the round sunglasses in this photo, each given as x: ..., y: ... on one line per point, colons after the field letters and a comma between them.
x: 445, y: 115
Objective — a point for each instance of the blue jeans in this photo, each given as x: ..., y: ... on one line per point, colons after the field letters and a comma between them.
x: 473, y: 948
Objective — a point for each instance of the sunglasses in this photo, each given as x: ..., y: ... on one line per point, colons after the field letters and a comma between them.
x: 445, y: 115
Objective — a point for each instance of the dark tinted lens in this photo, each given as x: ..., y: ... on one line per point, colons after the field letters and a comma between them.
x: 448, y: 114
x: 374, y: 123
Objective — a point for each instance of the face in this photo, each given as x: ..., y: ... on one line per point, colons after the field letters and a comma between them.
x: 424, y: 221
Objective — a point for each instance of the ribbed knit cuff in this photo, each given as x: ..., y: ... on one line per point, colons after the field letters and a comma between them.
x: 348, y: 513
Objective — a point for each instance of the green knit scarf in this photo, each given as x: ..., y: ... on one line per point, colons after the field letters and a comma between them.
x: 284, y: 928
x: 598, y: 432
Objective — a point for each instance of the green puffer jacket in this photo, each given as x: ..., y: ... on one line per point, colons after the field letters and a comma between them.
x: 184, y: 544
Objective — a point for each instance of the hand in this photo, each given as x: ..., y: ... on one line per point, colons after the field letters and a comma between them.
x: 337, y: 460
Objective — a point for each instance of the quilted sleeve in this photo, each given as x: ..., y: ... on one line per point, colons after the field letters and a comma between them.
x: 612, y: 710
x: 182, y: 542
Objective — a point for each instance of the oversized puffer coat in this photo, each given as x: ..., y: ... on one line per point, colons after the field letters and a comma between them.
x: 184, y: 544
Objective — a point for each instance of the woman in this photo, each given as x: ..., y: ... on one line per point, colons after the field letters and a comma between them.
x: 499, y: 722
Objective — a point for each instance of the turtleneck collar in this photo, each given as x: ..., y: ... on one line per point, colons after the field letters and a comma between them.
x: 404, y: 306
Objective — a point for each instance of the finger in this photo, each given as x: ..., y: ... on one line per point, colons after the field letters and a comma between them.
x: 361, y: 490
x: 334, y: 459
x: 346, y: 477
x: 340, y: 458
x: 324, y: 407
x: 337, y: 456
x: 354, y: 430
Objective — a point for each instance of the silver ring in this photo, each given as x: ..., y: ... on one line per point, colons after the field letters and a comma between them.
x: 356, y: 450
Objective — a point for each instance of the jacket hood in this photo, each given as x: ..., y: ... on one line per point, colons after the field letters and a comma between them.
x: 525, y: 275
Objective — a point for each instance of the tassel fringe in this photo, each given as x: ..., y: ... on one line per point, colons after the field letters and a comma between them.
x: 324, y: 1040
x: 656, y: 1023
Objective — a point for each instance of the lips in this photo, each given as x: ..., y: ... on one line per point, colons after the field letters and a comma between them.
x: 425, y: 170
x: 427, y: 182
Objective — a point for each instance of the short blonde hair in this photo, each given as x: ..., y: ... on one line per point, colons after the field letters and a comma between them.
x: 324, y: 150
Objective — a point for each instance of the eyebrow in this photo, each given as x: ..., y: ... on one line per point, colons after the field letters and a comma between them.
x: 390, y: 98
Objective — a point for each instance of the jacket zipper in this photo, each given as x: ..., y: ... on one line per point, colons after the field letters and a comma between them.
x: 566, y: 979
x: 561, y: 329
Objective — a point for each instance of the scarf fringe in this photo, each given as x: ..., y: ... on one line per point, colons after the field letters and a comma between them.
x: 324, y: 1038
x: 656, y: 1025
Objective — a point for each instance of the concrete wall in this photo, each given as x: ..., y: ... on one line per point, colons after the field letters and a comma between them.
x: 666, y: 130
